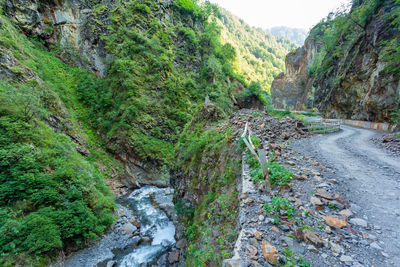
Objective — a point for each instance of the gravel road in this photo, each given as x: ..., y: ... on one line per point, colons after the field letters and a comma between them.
x: 369, y: 177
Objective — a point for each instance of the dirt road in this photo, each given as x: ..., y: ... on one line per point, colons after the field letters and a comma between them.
x: 370, y: 179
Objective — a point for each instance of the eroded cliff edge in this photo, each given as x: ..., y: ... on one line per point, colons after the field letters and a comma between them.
x: 348, y: 65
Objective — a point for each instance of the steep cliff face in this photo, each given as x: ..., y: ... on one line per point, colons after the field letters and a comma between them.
x: 293, y: 89
x: 65, y: 23
x: 350, y: 75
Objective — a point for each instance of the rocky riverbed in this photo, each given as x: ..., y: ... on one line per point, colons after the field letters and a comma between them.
x: 143, y: 234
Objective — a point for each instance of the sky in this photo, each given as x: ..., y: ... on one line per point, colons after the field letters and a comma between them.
x: 270, y: 13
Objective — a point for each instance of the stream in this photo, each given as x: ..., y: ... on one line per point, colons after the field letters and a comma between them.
x: 141, y: 236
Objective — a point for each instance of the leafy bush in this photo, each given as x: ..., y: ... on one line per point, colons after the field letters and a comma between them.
x: 280, y: 207
x: 279, y: 175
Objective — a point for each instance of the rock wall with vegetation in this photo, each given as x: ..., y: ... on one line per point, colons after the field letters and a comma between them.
x: 353, y: 70
x: 97, y: 93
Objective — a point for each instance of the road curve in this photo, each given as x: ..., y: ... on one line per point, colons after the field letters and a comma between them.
x: 370, y: 179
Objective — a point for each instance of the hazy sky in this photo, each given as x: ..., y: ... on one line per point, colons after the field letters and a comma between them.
x: 292, y: 13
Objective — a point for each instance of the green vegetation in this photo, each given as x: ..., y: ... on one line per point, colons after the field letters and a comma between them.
x: 211, y: 163
x: 278, y: 174
x: 260, y: 56
x: 280, y: 208
x: 341, y: 30
x: 291, y: 260
x: 51, y: 196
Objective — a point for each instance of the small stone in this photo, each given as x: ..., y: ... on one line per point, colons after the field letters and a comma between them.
x: 298, y: 233
x: 136, y: 223
x: 173, y: 257
x: 284, y: 227
x: 359, y: 222
x: 252, y: 250
x: 355, y: 208
x: 253, y: 242
x: 261, y: 218
x: 316, y: 201
x: 346, y: 213
x: 377, y: 227
x: 345, y: 258
x: 328, y: 230
x: 275, y: 229
x: 375, y: 246
x: 312, y: 248
x: 111, y: 264
x: 321, y: 192
x: 291, y: 163
x: 336, y: 248
x: 129, y: 229
x: 385, y: 254
x: 257, y: 235
x: 323, y: 185
x: 269, y: 252
x: 313, y: 238
x: 248, y: 200
x: 335, y: 222
x: 324, y: 255
x: 269, y: 220
x: 181, y: 243
x: 298, y: 202
x: 289, y: 241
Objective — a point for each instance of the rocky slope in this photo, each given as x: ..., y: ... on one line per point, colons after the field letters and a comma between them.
x: 347, y: 66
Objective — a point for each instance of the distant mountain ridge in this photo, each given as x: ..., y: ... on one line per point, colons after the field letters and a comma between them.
x: 296, y: 35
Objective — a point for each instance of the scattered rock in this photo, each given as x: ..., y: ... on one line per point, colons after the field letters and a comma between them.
x: 111, y: 264
x: 345, y: 258
x: 136, y: 223
x: 248, y: 200
x: 252, y: 250
x: 291, y: 163
x: 298, y: 233
x: 359, y: 222
x: 129, y: 229
x: 284, y: 227
x: 335, y: 222
x: 336, y: 248
x: 313, y: 238
x: 328, y: 230
x: 324, y: 194
x: 173, y: 257
x: 269, y: 252
x: 316, y: 201
x: 257, y: 235
x: 346, y: 213
x: 312, y: 248
x: 253, y: 242
x: 375, y: 246
x: 181, y: 244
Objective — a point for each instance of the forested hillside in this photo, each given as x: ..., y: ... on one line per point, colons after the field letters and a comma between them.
x: 260, y: 55
x: 296, y: 35
x: 98, y: 92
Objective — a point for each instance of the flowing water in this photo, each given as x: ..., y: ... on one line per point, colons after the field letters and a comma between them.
x: 155, y: 224
x: 127, y: 249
